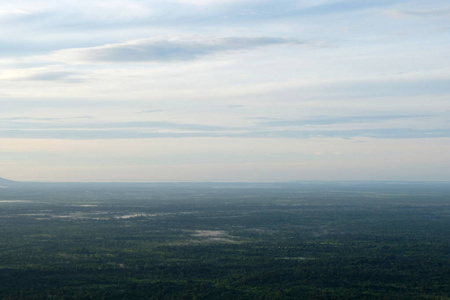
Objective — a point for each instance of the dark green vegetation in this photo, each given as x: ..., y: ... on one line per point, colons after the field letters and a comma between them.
x: 225, y: 241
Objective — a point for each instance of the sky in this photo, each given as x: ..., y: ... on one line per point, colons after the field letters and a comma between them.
x: 224, y: 90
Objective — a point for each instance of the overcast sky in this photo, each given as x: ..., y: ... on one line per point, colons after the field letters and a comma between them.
x: 224, y: 90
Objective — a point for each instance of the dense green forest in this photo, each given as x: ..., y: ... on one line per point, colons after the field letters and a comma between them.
x: 225, y: 241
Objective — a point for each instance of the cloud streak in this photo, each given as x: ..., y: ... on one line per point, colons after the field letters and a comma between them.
x: 53, y: 76
x: 53, y: 124
x: 297, y: 129
x: 170, y: 49
x: 96, y: 134
x: 328, y: 120
x: 418, y: 13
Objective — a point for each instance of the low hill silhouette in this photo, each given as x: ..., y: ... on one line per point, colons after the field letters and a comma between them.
x: 6, y: 182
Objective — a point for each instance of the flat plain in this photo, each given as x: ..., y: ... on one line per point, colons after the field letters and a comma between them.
x: 305, y: 240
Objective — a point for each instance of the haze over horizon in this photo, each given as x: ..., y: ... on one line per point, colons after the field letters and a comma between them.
x: 225, y: 90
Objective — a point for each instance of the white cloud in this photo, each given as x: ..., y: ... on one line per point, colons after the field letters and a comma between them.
x: 167, y: 49
x: 12, y: 12
x: 218, y: 68
x: 210, y: 2
x: 402, y: 13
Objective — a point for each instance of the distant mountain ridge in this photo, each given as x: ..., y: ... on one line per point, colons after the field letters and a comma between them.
x: 4, y: 181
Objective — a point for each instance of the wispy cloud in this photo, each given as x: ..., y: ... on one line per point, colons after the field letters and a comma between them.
x: 53, y: 124
x: 197, y: 74
x: 53, y: 76
x: 169, y: 49
x: 382, y: 133
x: 234, y: 106
x: 43, y: 119
x: 66, y: 128
x: 332, y: 120
x: 336, y: 7
x: 264, y: 10
x: 151, y: 111
x: 13, y: 12
x: 398, y: 13
x: 260, y: 11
